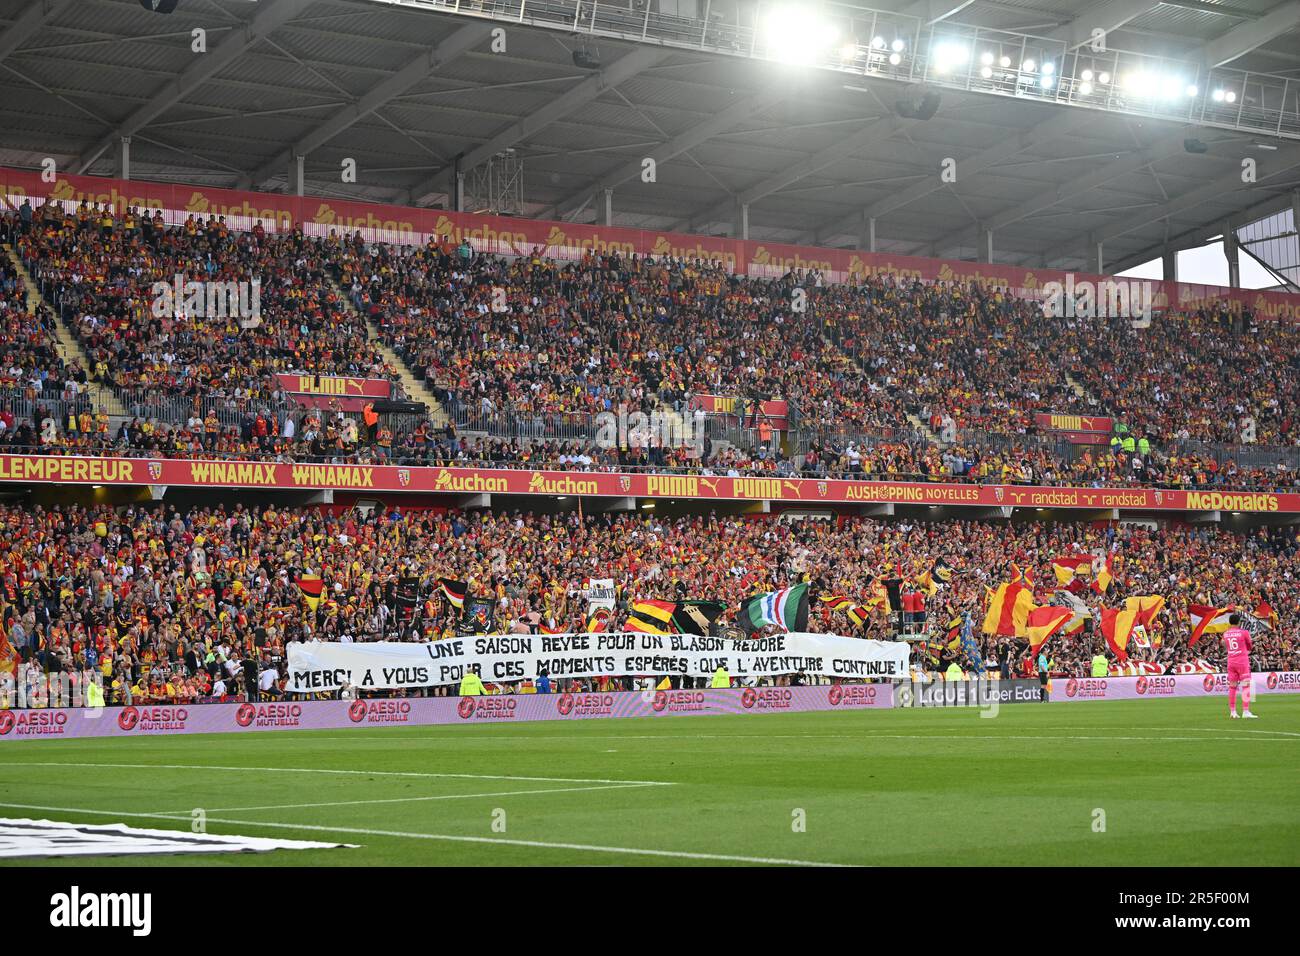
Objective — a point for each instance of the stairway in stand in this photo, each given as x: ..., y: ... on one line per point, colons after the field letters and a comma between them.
x: 416, y: 390
x: 102, y: 398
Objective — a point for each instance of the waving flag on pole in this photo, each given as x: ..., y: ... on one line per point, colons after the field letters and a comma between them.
x: 454, y: 591
x: 1265, y: 614
x: 8, y: 656
x: 1044, y: 622
x: 1117, y: 627
x: 651, y: 617
x: 1105, y: 575
x: 1009, y: 608
x: 1069, y: 568
x: 943, y: 571
x: 836, y: 602
x: 312, y: 588
x: 786, y: 608
x: 1206, y: 620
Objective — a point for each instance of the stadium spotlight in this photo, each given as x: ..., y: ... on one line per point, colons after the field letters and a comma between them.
x: 1103, y: 78
x: 948, y: 55
x: 1191, y: 90
x: 1086, y: 76
x: 895, y: 59
x: 877, y: 43
x: 1217, y: 96
x: 986, y: 58
x: 1047, y: 82
x: 1085, y: 88
x: 986, y: 72
x: 1049, y: 68
x: 1004, y: 62
x: 898, y: 45
x: 1230, y: 96
x: 796, y: 36
x: 1029, y: 66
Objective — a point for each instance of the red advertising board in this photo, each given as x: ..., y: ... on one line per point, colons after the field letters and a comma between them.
x: 777, y: 412
x: 323, y: 391
x: 509, y: 236
x: 32, y: 469
x: 1080, y: 429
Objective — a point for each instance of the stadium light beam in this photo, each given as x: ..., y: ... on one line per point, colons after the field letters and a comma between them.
x: 798, y: 37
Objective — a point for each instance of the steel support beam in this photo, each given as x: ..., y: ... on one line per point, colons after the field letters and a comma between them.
x: 1216, y: 190
x: 1046, y: 198
x: 1062, y: 124
x: 29, y: 24
x: 270, y: 16
x: 932, y: 11
x: 412, y: 73
x: 1245, y: 37
x: 875, y: 131
x: 568, y: 103
x: 729, y: 118
x: 1106, y: 16
x: 1194, y: 238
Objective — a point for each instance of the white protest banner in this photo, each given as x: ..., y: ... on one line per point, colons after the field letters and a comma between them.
x: 318, y: 666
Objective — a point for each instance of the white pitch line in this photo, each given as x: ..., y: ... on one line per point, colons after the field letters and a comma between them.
x: 360, y: 773
x: 448, y: 837
x: 677, y: 738
x: 443, y: 796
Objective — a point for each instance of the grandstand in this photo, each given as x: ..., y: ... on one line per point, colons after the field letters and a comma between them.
x: 347, y: 323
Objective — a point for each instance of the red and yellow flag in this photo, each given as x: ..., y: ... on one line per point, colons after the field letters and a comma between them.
x: 1105, y: 575
x: 1207, y: 620
x: 1264, y: 611
x: 1009, y: 608
x: 1043, y: 622
x: 1145, y: 608
x: 312, y: 588
x: 1068, y: 568
x: 1117, y: 628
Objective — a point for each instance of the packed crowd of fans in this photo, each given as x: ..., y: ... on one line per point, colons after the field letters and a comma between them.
x: 31, y: 366
x: 151, y: 596
x: 102, y: 270
x: 503, y: 341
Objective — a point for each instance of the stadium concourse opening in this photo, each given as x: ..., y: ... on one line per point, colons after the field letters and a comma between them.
x: 417, y: 418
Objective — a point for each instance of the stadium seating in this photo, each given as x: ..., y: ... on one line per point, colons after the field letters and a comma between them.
x: 144, y: 587
x: 523, y: 353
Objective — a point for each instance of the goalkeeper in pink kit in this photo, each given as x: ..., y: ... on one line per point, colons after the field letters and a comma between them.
x: 1237, y: 642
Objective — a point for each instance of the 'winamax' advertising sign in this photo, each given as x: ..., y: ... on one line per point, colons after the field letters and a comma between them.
x: 37, y: 469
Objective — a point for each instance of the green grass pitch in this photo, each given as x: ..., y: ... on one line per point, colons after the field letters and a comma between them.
x: 1178, y: 783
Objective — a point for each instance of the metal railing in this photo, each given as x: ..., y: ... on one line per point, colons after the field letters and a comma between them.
x: 435, y: 455
x: 879, y: 44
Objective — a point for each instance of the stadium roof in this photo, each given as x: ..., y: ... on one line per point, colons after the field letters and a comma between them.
x: 405, y: 90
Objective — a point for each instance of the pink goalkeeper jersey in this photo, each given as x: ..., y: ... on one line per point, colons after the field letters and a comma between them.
x: 1237, y: 642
